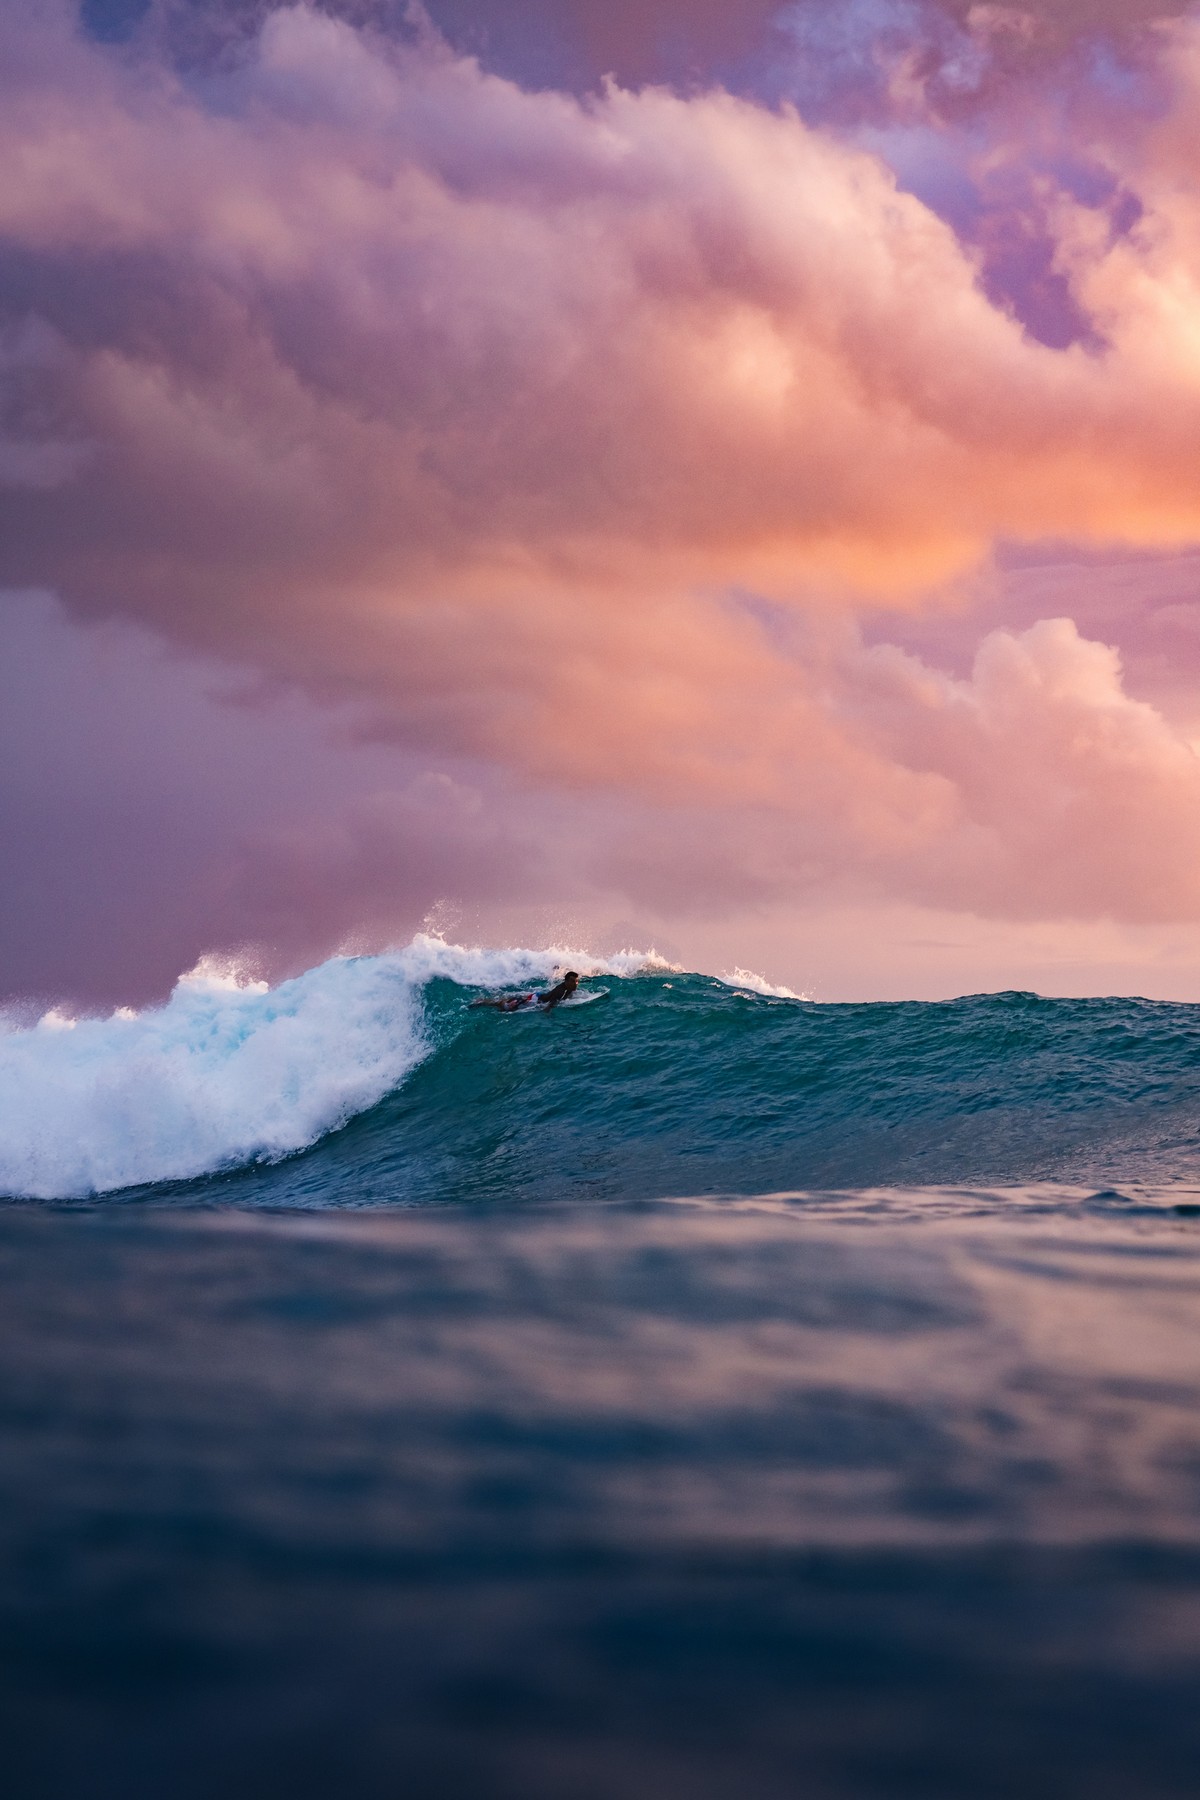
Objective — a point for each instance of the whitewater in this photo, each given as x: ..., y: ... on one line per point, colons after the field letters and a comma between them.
x: 368, y: 1080
x: 231, y: 1071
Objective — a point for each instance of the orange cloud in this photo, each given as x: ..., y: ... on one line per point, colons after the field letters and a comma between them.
x: 500, y: 334
x: 376, y: 370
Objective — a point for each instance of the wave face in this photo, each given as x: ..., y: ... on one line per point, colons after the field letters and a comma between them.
x: 674, y: 1083
x: 229, y: 1072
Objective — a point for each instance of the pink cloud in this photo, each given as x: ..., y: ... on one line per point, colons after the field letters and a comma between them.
x: 152, y: 810
x: 474, y: 405
x: 434, y: 333
x: 1034, y: 788
x: 1066, y: 792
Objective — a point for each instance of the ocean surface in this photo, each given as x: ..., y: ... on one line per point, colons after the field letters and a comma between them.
x: 694, y: 1391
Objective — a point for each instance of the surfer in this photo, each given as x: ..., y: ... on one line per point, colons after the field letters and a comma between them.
x: 514, y: 1002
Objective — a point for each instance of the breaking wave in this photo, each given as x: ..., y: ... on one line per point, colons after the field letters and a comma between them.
x: 230, y: 1071
x: 678, y: 1083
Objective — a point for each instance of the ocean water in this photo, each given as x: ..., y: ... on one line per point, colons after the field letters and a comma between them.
x: 694, y: 1391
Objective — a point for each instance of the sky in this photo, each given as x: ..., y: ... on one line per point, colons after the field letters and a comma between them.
x: 724, y: 478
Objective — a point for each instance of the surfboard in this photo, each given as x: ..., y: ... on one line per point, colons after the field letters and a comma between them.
x: 581, y: 997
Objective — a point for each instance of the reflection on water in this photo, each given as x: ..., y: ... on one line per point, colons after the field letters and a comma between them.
x: 876, y: 1494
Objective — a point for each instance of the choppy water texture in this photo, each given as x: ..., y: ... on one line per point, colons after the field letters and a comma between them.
x: 450, y: 1456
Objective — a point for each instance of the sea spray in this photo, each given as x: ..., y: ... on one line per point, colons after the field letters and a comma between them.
x: 746, y: 979
x: 229, y: 1071
x: 676, y: 1083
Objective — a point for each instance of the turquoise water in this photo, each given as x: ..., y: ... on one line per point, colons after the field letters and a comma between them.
x: 681, y: 1084
x: 699, y: 1391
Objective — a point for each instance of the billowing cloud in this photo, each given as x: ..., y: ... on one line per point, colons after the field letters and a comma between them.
x: 149, y: 818
x: 1034, y: 787
x: 1064, y: 791
x: 569, y: 431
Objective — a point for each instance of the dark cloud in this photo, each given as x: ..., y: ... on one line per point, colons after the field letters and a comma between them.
x: 575, y: 43
x: 153, y: 809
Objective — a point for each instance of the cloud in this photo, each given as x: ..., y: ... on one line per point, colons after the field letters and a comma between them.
x: 149, y: 817
x: 908, y: 58
x: 1033, y: 788
x: 492, y: 409
x: 365, y: 330
x: 1065, y: 796
x: 152, y: 810
x: 366, y: 875
x: 576, y: 43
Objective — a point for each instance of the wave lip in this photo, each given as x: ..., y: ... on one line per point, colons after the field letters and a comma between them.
x: 738, y: 977
x: 229, y: 1071
x: 224, y: 1073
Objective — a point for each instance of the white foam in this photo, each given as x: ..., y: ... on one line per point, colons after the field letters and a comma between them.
x: 756, y: 984
x: 230, y: 1071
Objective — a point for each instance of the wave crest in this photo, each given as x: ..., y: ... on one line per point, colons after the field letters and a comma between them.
x: 229, y: 1071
